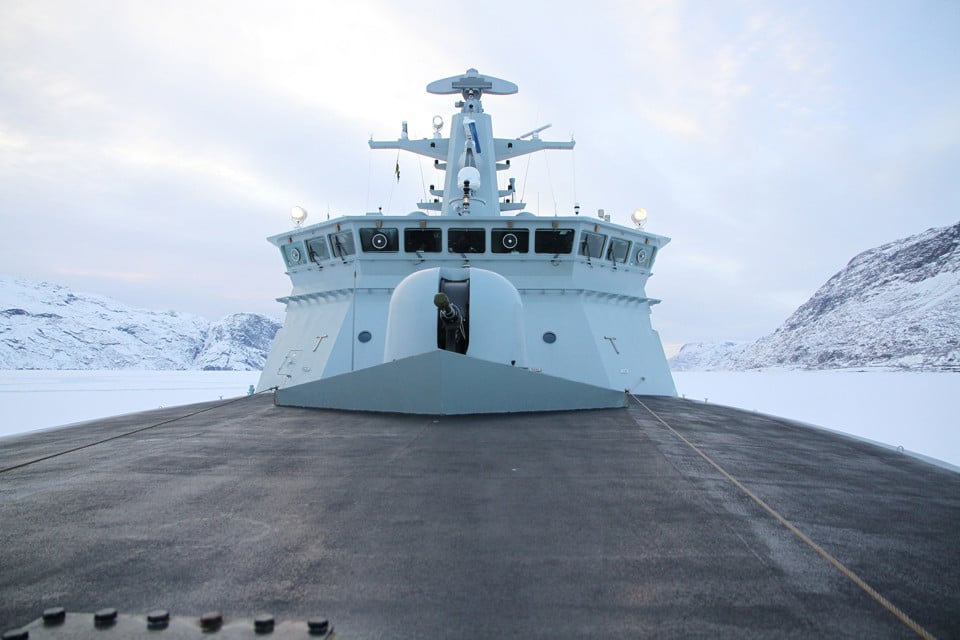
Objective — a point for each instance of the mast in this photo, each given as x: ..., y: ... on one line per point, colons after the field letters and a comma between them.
x: 471, y: 156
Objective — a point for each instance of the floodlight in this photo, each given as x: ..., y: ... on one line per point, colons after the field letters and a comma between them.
x: 298, y: 215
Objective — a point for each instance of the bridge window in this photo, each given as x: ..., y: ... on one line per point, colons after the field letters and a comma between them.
x: 467, y: 240
x: 293, y: 253
x: 643, y: 256
x: 618, y: 250
x: 379, y: 240
x: 553, y: 240
x: 591, y: 244
x: 510, y: 240
x: 342, y: 244
x: 424, y: 240
x: 317, y: 249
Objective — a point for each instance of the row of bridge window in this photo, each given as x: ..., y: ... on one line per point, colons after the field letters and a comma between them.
x: 471, y: 241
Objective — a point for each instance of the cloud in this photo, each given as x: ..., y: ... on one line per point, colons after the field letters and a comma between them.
x: 125, y: 276
x: 216, y: 170
x: 770, y: 140
x: 672, y: 121
x: 724, y: 73
x: 12, y: 142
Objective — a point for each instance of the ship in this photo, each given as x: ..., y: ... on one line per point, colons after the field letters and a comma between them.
x: 467, y: 428
x: 482, y: 307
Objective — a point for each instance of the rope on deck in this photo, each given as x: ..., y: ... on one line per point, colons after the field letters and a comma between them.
x: 823, y: 553
x: 130, y: 433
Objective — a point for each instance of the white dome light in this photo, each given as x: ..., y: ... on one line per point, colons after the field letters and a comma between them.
x: 298, y: 215
x: 470, y: 174
x: 639, y: 216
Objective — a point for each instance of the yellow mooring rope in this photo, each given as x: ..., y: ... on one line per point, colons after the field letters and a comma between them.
x: 857, y: 580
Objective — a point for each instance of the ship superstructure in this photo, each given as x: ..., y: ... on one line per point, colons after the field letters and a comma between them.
x: 469, y: 304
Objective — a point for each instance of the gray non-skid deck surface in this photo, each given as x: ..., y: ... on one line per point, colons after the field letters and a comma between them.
x: 598, y: 523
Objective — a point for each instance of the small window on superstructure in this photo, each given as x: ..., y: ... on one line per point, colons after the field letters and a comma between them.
x: 553, y: 241
x: 422, y: 240
x: 342, y: 244
x: 510, y: 240
x: 591, y: 244
x: 467, y: 240
x: 618, y: 250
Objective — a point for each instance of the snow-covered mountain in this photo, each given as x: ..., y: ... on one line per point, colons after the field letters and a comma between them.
x: 896, y: 306
x: 703, y: 356
x: 239, y: 342
x: 47, y: 326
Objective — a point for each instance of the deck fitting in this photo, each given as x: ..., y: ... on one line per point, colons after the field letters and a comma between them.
x: 211, y: 621
x: 105, y: 617
x: 158, y: 619
x: 263, y: 623
x: 318, y: 627
x: 54, y: 616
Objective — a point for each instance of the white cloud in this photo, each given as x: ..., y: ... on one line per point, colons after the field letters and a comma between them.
x: 11, y: 141
x: 216, y: 170
x: 125, y: 276
x: 746, y: 128
x: 672, y: 121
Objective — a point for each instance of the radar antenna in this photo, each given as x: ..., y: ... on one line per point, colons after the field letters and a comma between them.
x: 535, y: 134
x: 471, y: 85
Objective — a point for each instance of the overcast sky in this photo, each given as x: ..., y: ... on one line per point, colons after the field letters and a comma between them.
x: 148, y: 148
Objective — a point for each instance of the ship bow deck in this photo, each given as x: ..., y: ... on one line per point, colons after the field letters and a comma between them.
x: 601, y: 522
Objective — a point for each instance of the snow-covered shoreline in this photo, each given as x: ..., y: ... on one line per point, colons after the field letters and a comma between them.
x: 912, y: 410
x: 32, y: 399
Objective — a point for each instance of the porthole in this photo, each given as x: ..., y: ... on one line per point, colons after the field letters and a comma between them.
x: 549, y: 337
x: 364, y: 336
